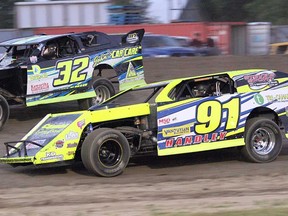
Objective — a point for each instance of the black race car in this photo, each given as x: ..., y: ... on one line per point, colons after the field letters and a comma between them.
x: 44, y: 69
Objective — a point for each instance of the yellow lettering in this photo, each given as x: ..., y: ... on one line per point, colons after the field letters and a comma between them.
x: 124, y: 52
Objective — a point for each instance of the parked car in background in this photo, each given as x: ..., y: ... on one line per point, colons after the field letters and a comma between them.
x: 183, y: 41
x: 166, y: 46
x: 171, y: 46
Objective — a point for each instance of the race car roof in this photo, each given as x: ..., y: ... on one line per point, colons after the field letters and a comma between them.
x: 35, y: 39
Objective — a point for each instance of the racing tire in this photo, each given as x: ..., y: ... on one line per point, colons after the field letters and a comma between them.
x: 103, y: 88
x: 4, y: 111
x: 105, y: 152
x: 263, y: 140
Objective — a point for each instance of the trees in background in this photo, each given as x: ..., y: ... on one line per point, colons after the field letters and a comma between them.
x: 224, y: 10
x: 246, y: 10
x: 268, y: 11
x: 7, y: 13
x: 215, y: 10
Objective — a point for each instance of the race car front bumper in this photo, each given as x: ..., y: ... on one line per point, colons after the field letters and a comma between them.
x: 19, y: 153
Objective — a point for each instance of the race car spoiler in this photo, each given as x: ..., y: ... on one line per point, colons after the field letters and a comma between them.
x: 133, y: 37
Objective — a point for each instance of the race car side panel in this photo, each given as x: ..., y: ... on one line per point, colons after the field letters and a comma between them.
x: 63, y: 136
x: 58, y: 135
x: 119, y: 113
x: 212, y: 123
x: 62, y: 79
x: 259, y: 80
x: 68, y: 78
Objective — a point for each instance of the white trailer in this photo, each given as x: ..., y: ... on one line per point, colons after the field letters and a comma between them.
x: 61, y: 13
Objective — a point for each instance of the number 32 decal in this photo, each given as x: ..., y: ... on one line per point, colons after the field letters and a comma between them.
x: 210, y: 114
x: 71, y: 71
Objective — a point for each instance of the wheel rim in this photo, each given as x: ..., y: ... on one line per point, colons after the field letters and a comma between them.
x: 110, y: 153
x: 102, y: 94
x: 263, y: 141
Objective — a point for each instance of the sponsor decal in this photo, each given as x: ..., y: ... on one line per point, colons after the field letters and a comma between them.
x: 124, y: 52
x: 81, y: 123
x: 164, y: 121
x: 36, y: 69
x: 169, y: 132
x: 38, y: 76
x: 130, y: 71
x: 72, y: 135
x: 261, y: 80
x: 132, y: 38
x: 54, y: 126
x: 70, y: 153
x: 52, y: 156
x: 119, y: 53
x: 48, y: 133
x: 79, y: 85
x: 196, y: 139
x: 72, y: 145
x: 259, y: 99
x: 277, y: 97
x: 59, y: 144
x: 33, y: 146
x: 39, y: 87
x: 100, y: 58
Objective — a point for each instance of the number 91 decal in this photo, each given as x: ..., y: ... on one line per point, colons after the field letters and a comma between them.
x: 210, y: 113
x: 71, y: 71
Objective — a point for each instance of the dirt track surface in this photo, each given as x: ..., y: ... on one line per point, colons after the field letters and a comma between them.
x: 191, y: 183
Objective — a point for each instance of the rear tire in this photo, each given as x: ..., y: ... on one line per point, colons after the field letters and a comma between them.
x: 4, y: 111
x: 263, y: 140
x: 105, y: 152
x: 103, y: 88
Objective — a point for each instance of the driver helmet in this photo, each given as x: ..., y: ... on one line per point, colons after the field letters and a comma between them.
x: 200, y: 90
x: 50, y: 50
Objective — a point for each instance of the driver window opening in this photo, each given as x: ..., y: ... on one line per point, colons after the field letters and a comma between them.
x: 204, y: 88
x: 67, y: 47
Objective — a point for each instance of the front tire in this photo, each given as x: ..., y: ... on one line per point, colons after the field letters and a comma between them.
x: 103, y: 88
x: 4, y: 111
x: 105, y: 152
x: 263, y: 140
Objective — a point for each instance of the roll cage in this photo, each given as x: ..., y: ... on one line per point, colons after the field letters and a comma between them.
x: 203, y: 87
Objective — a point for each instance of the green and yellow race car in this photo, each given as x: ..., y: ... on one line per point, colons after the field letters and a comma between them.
x: 244, y: 108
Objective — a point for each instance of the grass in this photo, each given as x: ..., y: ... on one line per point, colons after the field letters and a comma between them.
x: 255, y: 212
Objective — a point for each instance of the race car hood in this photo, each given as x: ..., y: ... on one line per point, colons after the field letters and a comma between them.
x: 46, y: 140
x: 56, y: 137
